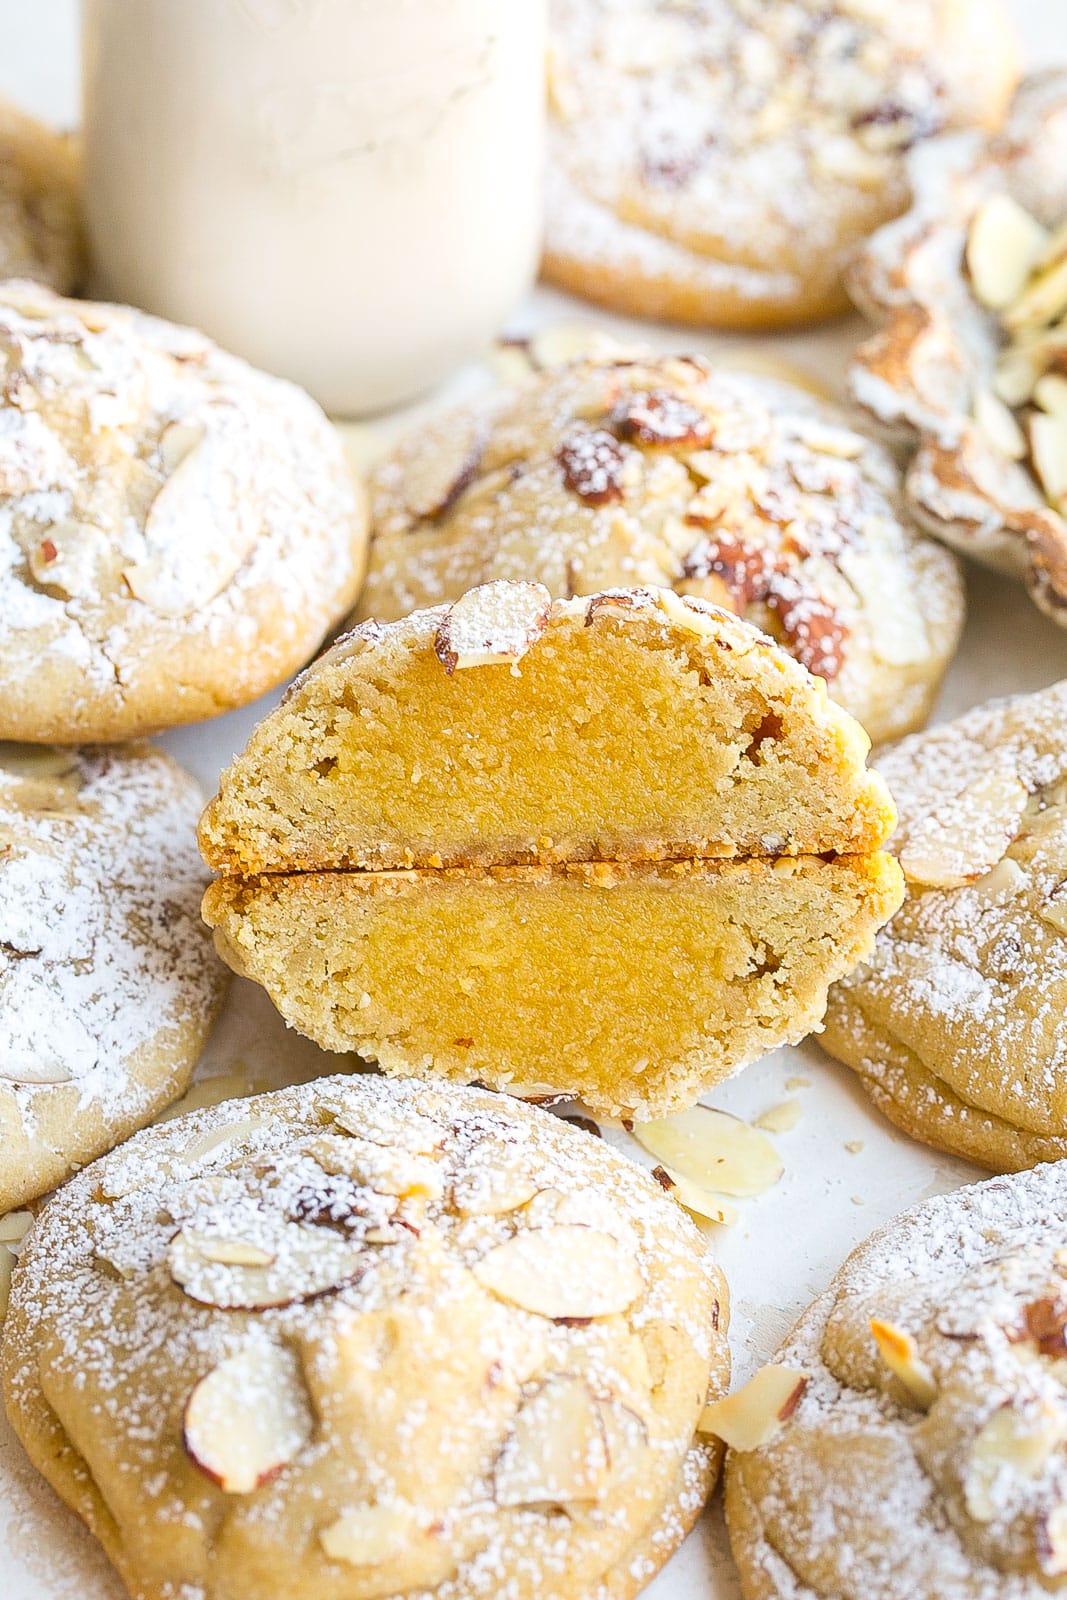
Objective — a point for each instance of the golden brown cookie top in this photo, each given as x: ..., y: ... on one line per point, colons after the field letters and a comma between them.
x: 752, y: 139
x: 628, y: 468
x: 154, y: 491
x: 401, y: 1337
x: 934, y: 1417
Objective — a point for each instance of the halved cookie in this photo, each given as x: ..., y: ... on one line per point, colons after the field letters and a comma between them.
x: 700, y: 833
x: 615, y: 466
x: 958, y: 1024
x: 359, y: 1339
x: 921, y: 1450
x: 108, y: 983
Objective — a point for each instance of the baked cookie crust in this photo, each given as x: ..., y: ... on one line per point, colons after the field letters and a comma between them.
x: 177, y: 530
x: 717, y: 163
x: 956, y: 1026
x: 480, y: 1352
x: 925, y: 1456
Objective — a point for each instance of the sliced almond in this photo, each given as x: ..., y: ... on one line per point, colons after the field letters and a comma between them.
x: 7, y: 1266
x: 966, y: 838
x: 1016, y: 1442
x: 374, y: 1166
x: 435, y: 478
x: 1048, y: 447
x: 306, y: 1262
x: 998, y: 424
x: 14, y: 1226
x: 38, y: 1066
x: 1054, y: 910
x: 713, y: 1150
x: 1017, y: 372
x: 491, y: 625
x: 248, y: 1418
x: 753, y: 1415
x: 900, y: 1354
x: 1050, y: 392
x: 1005, y: 880
x: 782, y: 1118
x: 380, y: 1125
x: 389, y: 1537
x: 493, y: 1187
x: 37, y: 761
x: 1051, y: 1540
x: 229, y: 1252
x: 556, y: 1452
x: 71, y: 557
x: 566, y: 342
x: 701, y: 1202
x: 1044, y: 300
x: 1003, y: 246
x: 563, y: 1271
x: 231, y: 1133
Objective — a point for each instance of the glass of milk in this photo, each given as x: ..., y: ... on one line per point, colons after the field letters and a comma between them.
x: 346, y: 192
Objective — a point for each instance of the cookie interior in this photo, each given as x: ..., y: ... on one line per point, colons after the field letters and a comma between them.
x: 641, y: 984
x: 623, y: 739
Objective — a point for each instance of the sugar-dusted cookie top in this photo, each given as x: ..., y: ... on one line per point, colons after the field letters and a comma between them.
x: 40, y: 203
x: 177, y: 530
x: 510, y: 727
x: 108, y: 982
x: 622, y: 468
x: 958, y: 1024
x: 362, y: 1339
x: 717, y: 162
x: 926, y: 1454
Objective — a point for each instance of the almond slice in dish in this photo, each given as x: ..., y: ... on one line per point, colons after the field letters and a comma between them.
x: 1048, y: 446
x: 752, y: 1415
x: 715, y: 1151
x: 306, y: 1262
x: 1003, y: 247
x: 1044, y: 301
x: 899, y: 1352
x: 14, y: 1226
x: 248, y: 1418
x: 998, y: 424
x: 556, y: 1453
x: 702, y: 1203
x: 1015, y: 1442
x: 782, y: 1118
x: 562, y: 1271
x: 965, y: 839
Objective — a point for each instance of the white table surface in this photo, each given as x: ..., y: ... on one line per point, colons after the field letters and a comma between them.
x: 789, y: 1241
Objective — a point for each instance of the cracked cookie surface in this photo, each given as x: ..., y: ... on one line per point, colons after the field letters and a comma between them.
x: 663, y: 470
x: 958, y: 1024
x: 108, y: 983
x: 177, y: 531
x: 926, y: 1455
x: 718, y: 162
x: 359, y: 1339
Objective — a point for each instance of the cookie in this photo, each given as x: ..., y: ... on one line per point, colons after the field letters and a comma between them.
x: 632, y: 798
x: 177, y: 531
x: 958, y: 1025
x: 717, y: 163
x: 965, y: 372
x: 630, y: 469
x: 924, y: 1454
x: 108, y: 983
x: 361, y: 1339
x: 40, y: 203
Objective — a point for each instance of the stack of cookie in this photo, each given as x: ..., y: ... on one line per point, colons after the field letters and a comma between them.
x: 578, y: 808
